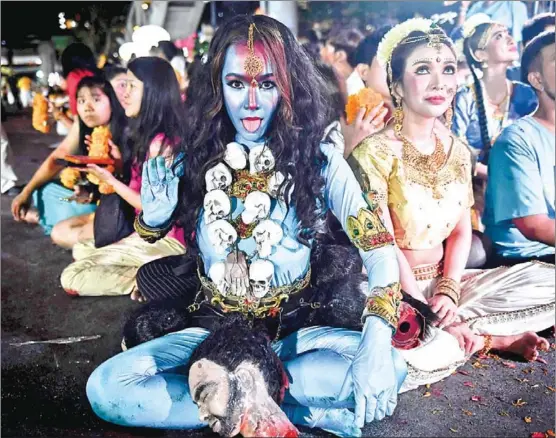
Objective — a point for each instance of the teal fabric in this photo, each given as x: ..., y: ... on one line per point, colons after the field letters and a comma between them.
x: 52, y: 209
x: 520, y: 184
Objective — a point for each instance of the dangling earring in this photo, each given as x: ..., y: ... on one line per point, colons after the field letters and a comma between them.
x: 398, y: 118
x: 484, y: 65
x: 449, y: 115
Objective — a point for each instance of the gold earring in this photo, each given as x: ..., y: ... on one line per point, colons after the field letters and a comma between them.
x: 484, y: 65
x: 398, y: 120
x: 449, y: 116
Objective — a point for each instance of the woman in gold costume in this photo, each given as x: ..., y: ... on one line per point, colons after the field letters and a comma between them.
x: 419, y: 174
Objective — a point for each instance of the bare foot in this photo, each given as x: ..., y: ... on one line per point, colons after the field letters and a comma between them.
x: 527, y: 345
x: 136, y: 296
x: 31, y: 216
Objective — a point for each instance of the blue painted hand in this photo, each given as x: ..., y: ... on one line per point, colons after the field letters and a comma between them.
x: 159, y: 189
x: 374, y: 377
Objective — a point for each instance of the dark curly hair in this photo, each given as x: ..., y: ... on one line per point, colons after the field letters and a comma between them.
x: 294, y: 135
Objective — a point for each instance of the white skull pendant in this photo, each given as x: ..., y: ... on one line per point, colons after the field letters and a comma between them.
x: 261, y: 159
x: 275, y: 188
x: 222, y: 235
x: 217, y: 205
x: 217, y: 273
x: 218, y: 177
x: 235, y: 156
x: 267, y: 234
x: 260, y: 276
x: 257, y: 207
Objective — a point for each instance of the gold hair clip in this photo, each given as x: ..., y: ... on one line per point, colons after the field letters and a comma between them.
x: 253, y: 65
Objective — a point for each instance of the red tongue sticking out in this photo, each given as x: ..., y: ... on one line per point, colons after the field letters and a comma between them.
x: 251, y: 124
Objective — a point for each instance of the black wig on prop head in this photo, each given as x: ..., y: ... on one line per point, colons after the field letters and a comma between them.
x: 118, y: 120
x: 161, y: 106
x: 294, y: 135
x: 235, y: 342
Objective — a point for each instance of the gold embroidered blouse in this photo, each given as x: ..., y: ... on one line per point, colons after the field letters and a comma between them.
x: 425, y: 206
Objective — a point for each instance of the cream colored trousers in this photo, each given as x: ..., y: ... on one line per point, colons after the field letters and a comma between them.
x: 111, y: 270
x: 500, y: 302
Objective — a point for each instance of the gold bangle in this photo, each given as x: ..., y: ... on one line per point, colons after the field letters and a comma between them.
x: 450, y: 294
x: 149, y: 234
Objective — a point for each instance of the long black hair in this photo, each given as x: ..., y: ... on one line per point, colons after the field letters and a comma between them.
x: 294, y: 135
x: 161, y: 106
x: 118, y: 119
x: 470, y: 45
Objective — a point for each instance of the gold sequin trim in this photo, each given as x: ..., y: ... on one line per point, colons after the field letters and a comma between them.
x: 385, y: 302
x: 514, y: 315
x: 367, y: 232
x: 245, y: 183
x: 428, y: 272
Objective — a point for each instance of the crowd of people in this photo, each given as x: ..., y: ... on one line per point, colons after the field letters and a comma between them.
x: 298, y: 269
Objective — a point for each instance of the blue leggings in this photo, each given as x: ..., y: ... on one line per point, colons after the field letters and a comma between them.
x: 146, y: 386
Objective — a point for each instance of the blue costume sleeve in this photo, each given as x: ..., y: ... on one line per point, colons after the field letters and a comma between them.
x: 365, y: 229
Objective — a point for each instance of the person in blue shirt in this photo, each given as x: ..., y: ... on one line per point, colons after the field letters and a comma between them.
x: 519, y: 214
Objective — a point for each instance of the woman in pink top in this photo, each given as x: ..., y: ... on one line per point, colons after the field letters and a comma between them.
x: 152, y: 103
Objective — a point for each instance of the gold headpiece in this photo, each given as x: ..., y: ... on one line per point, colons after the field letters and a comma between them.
x: 398, y: 35
x: 253, y: 65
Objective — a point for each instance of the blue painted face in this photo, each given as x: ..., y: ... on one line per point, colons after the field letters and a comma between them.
x: 250, y: 104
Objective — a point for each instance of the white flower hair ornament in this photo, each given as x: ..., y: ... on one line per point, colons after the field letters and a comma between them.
x: 399, y: 35
x: 470, y: 27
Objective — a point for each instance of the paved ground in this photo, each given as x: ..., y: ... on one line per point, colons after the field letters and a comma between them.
x: 43, y: 385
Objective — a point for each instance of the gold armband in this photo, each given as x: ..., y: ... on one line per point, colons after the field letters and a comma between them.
x: 385, y: 302
x: 147, y: 233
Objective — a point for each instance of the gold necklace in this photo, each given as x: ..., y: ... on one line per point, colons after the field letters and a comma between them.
x: 411, y: 156
x: 424, y: 169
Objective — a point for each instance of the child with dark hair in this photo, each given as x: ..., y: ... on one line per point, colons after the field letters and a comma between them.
x: 154, y: 108
x: 97, y: 105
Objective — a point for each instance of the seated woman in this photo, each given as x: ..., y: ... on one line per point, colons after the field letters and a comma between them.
x: 258, y: 182
x: 97, y: 105
x: 420, y: 174
x: 155, y: 108
x: 488, y: 105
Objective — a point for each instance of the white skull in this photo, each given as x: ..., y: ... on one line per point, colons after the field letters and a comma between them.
x: 266, y: 235
x: 274, y: 184
x: 257, y: 207
x: 222, y: 235
x: 261, y: 159
x: 235, y: 156
x: 260, y: 275
x: 217, y: 205
x: 218, y: 177
x: 217, y: 273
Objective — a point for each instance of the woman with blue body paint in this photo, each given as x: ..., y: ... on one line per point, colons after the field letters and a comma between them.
x: 258, y: 184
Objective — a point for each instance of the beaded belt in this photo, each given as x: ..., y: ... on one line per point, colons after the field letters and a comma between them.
x: 428, y: 272
x: 249, y: 305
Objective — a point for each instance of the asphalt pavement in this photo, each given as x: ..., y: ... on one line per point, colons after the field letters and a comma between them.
x: 43, y: 385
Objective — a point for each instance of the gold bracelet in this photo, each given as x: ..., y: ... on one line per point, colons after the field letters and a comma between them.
x: 384, y: 302
x: 149, y: 234
x: 449, y: 287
